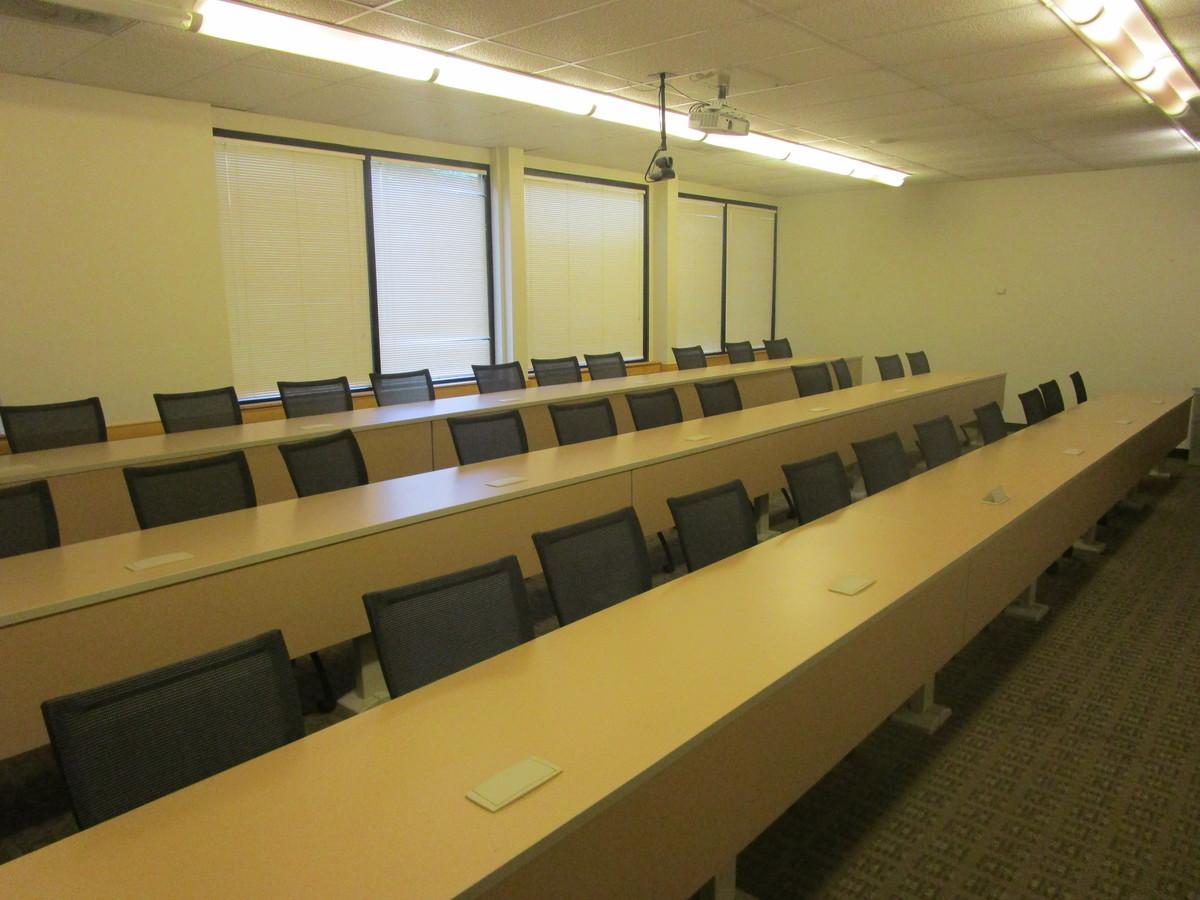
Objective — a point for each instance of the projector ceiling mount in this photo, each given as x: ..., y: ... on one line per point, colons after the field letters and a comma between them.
x: 661, y: 167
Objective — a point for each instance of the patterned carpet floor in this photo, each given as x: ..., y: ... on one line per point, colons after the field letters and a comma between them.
x: 1069, y: 768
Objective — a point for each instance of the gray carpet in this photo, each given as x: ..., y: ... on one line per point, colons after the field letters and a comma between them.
x: 1070, y: 768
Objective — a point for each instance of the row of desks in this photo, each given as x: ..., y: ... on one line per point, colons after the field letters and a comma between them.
x: 77, y: 616
x: 685, y: 719
x: 92, y: 501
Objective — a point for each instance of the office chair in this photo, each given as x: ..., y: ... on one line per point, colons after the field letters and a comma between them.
x: 653, y: 409
x: 842, y: 370
x: 882, y: 462
x: 605, y: 365
x: 991, y: 422
x: 812, y: 379
x: 714, y: 523
x: 330, y: 462
x: 918, y: 363
x: 1080, y: 390
x: 27, y: 519
x: 563, y: 370
x: 396, y: 388
x: 575, y: 423
x: 49, y: 425
x: 480, y: 438
x: 1034, y: 405
x: 939, y: 441
x: 194, y: 410
x: 192, y: 489
x: 1052, y: 397
x: 890, y: 367
x: 314, y: 398
x: 818, y: 486
x: 718, y: 397
x: 501, y: 377
x: 779, y: 348
x: 690, y: 357
x: 739, y: 351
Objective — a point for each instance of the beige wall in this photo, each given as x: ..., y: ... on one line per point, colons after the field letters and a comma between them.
x: 1036, y: 276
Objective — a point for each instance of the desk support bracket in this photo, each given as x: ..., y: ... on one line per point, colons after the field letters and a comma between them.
x: 921, y: 711
x: 369, y: 687
x: 1088, y: 543
x: 1027, y: 606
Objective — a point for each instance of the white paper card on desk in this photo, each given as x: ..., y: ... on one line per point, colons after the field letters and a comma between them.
x: 506, y: 399
x: 818, y: 409
x: 851, y: 585
x: 1124, y: 421
x: 996, y: 496
x: 901, y: 390
x: 697, y: 437
x: 323, y: 426
x: 505, y: 482
x: 513, y: 783
x: 1159, y: 402
x: 153, y: 562
x: 1073, y: 451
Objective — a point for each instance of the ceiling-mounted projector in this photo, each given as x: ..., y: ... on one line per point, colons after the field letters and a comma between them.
x: 717, y: 116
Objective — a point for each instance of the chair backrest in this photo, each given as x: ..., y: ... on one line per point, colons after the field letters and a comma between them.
x: 330, y: 462
x: 740, y: 351
x: 563, y: 370
x: 881, y: 461
x: 605, y: 365
x: 27, y: 519
x: 1052, y: 397
x: 1034, y: 406
x: 890, y: 367
x: 690, y: 357
x: 714, y: 523
x: 198, y: 409
x: 717, y: 397
x: 395, y: 388
x: 480, y: 438
x: 818, y: 486
x: 779, y: 348
x: 813, y: 379
x: 135, y: 740
x: 594, y: 564
x: 918, y: 363
x: 177, y: 492
x: 575, y: 423
x: 990, y: 418
x: 1080, y: 390
x: 939, y: 441
x: 651, y: 409
x: 431, y: 629
x: 314, y: 398
x: 50, y: 425
x: 508, y: 376
x: 842, y: 370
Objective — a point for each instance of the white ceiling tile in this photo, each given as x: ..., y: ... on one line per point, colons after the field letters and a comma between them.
x: 320, y: 10
x: 1043, y: 56
x: 242, y: 86
x: 1030, y: 83
x: 848, y: 19
x: 335, y: 103
x: 485, y: 18
x: 823, y: 118
x: 509, y: 57
x: 30, y: 48
x: 783, y: 104
x: 585, y: 78
x: 1114, y: 91
x: 126, y: 62
x: 811, y: 65
x: 320, y: 69
x: 409, y: 31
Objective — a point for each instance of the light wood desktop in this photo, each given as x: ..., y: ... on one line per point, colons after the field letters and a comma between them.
x: 75, y: 617
x: 685, y: 720
x: 89, y: 489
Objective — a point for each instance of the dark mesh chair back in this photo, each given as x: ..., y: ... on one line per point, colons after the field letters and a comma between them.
x: 653, y: 409
x: 1034, y: 406
x: 740, y: 351
x: 27, y: 519
x: 717, y: 397
x: 918, y: 363
x: 315, y: 398
x: 594, y: 564
x: 842, y: 370
x: 814, y: 379
x: 939, y: 441
x: 500, y: 377
x: 177, y: 492
x: 198, y: 409
x: 575, y: 423
x: 713, y: 523
x: 563, y: 370
x: 397, y: 388
x: 50, y: 425
x: 690, y: 357
x: 327, y: 463
x: 1080, y: 390
x: 991, y: 422
x: 1052, y: 397
x: 818, y: 486
x: 127, y: 743
x: 480, y: 438
x: 605, y: 365
x: 780, y: 348
x: 890, y: 367
x: 882, y: 462
x: 434, y: 628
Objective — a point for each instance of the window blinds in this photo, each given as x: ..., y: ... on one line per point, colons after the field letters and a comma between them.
x: 584, y: 247
x: 293, y: 241
x: 749, y: 273
x: 700, y: 239
x: 431, y: 267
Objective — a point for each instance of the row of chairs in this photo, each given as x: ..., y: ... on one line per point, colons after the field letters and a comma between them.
x: 890, y: 367
x: 1046, y: 399
x: 192, y: 719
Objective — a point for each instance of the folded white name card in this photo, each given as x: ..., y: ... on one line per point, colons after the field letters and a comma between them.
x: 320, y: 427
x: 513, y: 783
x: 1073, y: 451
x: 1159, y: 402
x: 819, y: 409
x: 153, y: 562
x: 506, y: 399
x: 901, y: 390
x: 996, y: 496
x: 505, y: 482
x: 851, y: 585
x: 23, y: 467
x: 1124, y: 421
x: 697, y: 437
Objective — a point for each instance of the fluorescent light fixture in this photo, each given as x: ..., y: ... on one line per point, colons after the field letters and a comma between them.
x: 823, y: 160
x: 172, y: 13
x: 758, y: 144
x: 1108, y: 34
x: 1081, y: 11
x: 483, y: 79
x: 1178, y: 77
x: 1159, y: 91
x: 879, y: 174
x: 620, y: 111
x: 263, y: 28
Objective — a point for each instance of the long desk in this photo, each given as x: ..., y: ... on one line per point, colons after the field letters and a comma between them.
x: 92, y: 501
x: 685, y: 719
x: 76, y: 616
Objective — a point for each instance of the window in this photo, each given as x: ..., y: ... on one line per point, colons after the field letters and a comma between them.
x: 585, y: 267
x: 726, y: 273
x: 432, y: 288
x: 293, y: 241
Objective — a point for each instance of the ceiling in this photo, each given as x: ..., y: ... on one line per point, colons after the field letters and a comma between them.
x: 943, y: 89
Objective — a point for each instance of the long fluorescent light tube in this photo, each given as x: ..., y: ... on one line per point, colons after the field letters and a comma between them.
x: 277, y: 31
